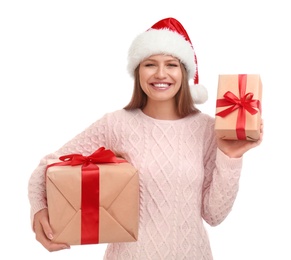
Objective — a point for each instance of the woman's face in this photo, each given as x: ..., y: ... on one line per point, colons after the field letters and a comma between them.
x: 160, y: 77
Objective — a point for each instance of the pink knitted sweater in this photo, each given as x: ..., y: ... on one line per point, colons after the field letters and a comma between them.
x: 184, y: 179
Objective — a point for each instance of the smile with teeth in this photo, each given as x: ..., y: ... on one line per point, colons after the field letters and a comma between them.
x: 161, y: 85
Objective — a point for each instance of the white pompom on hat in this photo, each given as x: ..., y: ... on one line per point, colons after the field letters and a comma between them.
x: 168, y: 36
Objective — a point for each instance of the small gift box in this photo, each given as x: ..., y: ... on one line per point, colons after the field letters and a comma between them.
x: 238, y: 107
x: 93, y: 199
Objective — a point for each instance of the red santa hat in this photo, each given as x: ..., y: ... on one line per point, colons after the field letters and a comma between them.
x: 168, y: 36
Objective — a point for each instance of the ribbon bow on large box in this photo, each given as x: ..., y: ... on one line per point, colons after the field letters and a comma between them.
x: 93, y: 199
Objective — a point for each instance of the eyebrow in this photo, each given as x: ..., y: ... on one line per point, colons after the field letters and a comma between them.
x: 167, y: 60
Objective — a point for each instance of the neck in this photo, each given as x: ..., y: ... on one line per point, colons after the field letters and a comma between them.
x: 161, y: 110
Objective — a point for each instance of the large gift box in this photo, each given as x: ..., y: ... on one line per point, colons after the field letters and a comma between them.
x: 93, y: 199
x: 238, y: 107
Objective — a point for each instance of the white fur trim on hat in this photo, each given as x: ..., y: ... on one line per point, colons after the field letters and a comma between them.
x: 161, y: 41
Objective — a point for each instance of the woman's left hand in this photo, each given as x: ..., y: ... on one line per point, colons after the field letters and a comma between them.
x: 236, y: 148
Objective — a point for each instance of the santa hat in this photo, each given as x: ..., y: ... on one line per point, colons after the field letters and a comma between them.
x: 168, y: 36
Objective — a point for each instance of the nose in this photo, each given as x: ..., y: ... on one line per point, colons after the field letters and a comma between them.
x: 160, y: 72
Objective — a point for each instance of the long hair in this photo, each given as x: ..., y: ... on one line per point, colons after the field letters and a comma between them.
x: 184, y: 101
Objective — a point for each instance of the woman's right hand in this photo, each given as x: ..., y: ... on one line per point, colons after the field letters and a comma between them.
x: 43, y: 232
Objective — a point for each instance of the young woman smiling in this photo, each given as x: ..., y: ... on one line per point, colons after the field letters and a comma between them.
x: 187, y: 175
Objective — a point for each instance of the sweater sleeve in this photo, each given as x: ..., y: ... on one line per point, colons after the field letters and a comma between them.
x: 221, y: 183
x: 95, y: 136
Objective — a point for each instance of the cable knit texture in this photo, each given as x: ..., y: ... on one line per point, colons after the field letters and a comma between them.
x: 184, y: 180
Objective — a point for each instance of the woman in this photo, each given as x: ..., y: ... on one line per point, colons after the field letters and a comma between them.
x: 187, y: 174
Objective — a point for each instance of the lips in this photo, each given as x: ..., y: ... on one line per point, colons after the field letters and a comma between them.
x: 161, y: 85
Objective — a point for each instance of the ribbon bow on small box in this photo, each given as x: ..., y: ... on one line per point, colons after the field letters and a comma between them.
x: 244, y: 107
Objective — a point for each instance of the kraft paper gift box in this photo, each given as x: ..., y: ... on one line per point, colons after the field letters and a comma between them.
x: 93, y: 199
x: 238, y: 107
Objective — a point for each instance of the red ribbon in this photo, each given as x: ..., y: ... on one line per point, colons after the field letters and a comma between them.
x: 90, y: 189
x: 243, y: 103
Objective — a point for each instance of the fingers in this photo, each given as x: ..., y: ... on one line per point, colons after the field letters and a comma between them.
x: 46, y: 228
x: 48, y: 243
x: 261, y: 133
x: 44, y: 234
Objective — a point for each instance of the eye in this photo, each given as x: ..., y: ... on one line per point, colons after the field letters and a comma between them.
x: 149, y: 64
x: 173, y: 65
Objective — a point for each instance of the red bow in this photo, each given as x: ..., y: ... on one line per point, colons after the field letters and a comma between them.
x: 99, y: 156
x: 90, y: 188
x: 244, y: 102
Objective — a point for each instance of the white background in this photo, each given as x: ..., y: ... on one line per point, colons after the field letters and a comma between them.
x: 63, y: 65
